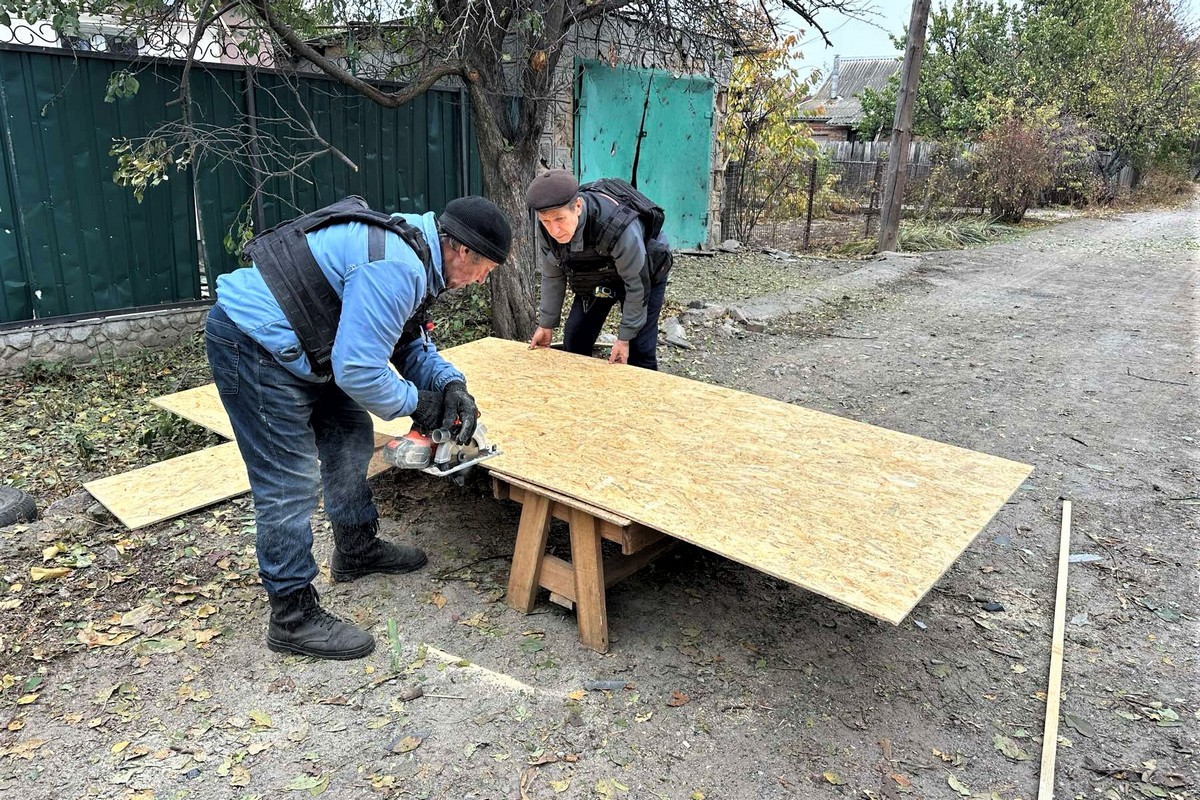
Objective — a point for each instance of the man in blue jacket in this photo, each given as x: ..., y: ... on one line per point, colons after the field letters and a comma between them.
x: 327, y: 325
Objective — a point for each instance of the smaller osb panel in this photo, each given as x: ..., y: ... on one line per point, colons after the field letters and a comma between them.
x: 169, y: 488
x: 202, y: 405
x: 866, y: 516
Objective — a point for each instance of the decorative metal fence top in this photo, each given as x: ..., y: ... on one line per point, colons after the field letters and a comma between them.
x: 233, y: 46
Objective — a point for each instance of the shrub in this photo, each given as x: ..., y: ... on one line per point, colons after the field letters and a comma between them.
x: 1014, y: 162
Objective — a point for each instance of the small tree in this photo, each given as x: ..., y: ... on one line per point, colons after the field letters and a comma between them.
x: 1127, y: 70
x: 763, y: 135
x: 970, y: 62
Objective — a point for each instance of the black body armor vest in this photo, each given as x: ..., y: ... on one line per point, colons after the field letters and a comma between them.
x: 309, y: 302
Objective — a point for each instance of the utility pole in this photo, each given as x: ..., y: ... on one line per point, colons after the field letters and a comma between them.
x: 897, y: 165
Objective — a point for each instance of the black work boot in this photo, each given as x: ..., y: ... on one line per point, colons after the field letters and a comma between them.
x: 300, y: 625
x: 358, y: 551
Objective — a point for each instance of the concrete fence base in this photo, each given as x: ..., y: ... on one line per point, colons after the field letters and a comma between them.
x: 82, y: 341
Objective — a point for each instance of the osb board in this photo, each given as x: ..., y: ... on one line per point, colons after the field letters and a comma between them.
x: 170, y: 488
x: 202, y: 405
x: 176, y: 486
x: 866, y: 516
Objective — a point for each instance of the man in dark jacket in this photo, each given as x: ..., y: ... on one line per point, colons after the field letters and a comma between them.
x: 299, y: 402
x: 591, y: 241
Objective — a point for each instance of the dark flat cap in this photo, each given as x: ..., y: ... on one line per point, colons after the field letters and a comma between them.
x: 480, y: 225
x: 552, y: 189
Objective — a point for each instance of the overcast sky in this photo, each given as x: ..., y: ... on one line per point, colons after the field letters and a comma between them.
x: 855, y: 38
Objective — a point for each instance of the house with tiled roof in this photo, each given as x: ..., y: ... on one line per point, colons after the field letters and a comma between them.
x: 834, y: 111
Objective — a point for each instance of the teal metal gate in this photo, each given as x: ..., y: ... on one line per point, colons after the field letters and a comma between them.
x: 655, y: 130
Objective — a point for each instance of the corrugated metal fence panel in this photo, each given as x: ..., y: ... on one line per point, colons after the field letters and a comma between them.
x: 86, y: 244
x: 408, y: 158
x: 72, y: 241
x: 15, y: 299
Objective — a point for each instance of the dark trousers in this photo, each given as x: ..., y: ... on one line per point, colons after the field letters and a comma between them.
x: 587, y: 317
x: 294, y: 436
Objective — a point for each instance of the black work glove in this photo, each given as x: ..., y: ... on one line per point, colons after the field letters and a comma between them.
x: 428, y: 413
x: 459, y: 414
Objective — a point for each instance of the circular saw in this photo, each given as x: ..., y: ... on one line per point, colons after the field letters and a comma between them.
x: 437, y: 453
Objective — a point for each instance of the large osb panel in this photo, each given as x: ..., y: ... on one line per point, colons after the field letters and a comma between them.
x: 866, y: 516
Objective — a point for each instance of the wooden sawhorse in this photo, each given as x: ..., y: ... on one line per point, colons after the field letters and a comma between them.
x: 580, y: 582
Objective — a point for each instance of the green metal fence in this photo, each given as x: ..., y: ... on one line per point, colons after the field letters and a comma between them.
x: 73, y: 242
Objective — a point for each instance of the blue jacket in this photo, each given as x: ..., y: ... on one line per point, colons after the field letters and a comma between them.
x: 378, y: 297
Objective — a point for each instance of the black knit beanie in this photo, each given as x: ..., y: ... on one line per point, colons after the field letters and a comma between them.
x: 480, y: 225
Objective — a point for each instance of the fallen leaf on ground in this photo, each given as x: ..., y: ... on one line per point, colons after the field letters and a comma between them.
x: 958, y: 786
x: 833, y: 778
x: 207, y: 635
x: 43, y: 574
x: 678, y: 699
x: 1081, y: 726
x: 1009, y: 748
x: 313, y: 784
x: 260, y: 718
x: 93, y: 638
x: 23, y: 749
x: 148, y: 647
x: 137, y: 616
x: 240, y: 777
x: 407, y: 744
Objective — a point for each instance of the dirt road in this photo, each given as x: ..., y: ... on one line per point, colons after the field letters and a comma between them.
x: 1072, y: 349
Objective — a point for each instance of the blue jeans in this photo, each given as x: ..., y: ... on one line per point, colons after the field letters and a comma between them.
x: 587, y: 317
x: 294, y: 436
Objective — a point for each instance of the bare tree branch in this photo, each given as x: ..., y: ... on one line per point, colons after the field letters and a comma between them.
x: 415, y: 88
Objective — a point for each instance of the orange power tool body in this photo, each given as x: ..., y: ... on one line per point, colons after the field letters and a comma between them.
x: 437, y: 453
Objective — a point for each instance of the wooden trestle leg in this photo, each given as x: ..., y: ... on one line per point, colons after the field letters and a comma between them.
x: 528, y: 553
x: 588, y: 565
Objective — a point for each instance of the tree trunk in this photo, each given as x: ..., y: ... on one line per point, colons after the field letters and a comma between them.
x: 507, y: 170
x: 507, y: 175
